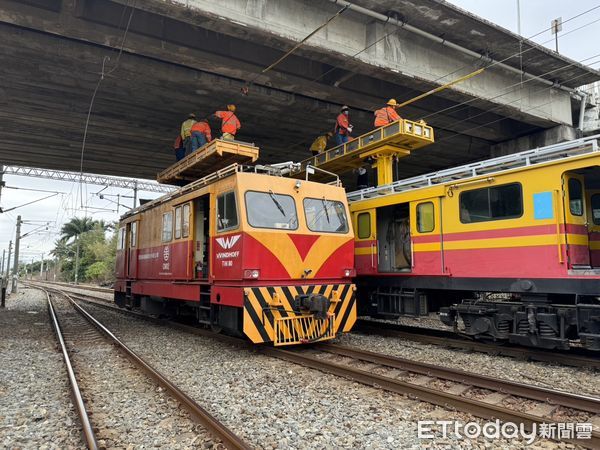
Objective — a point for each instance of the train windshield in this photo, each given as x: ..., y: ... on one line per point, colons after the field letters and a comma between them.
x: 325, y: 216
x: 270, y: 210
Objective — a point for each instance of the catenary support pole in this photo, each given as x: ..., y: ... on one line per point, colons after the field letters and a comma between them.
x: 16, y: 263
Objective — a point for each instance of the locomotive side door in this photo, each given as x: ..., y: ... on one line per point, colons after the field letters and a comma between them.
x: 576, y: 223
x: 201, y: 236
x: 131, y: 249
x: 593, y: 208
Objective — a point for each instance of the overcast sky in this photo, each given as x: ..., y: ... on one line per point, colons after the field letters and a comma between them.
x: 535, y: 17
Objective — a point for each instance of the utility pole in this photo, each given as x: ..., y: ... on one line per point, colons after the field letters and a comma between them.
x: 135, y: 193
x: 3, y: 256
x: 556, y: 25
x: 4, y: 280
x: 42, y: 269
x: 77, y: 259
x: 8, y: 259
x: 16, y: 263
x: 2, y: 183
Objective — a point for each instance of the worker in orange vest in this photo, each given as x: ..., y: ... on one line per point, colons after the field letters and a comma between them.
x: 200, y: 134
x: 387, y: 115
x: 342, y: 129
x: 230, y: 124
x: 179, y: 148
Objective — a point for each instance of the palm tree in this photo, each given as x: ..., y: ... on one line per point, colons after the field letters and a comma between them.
x: 74, y: 228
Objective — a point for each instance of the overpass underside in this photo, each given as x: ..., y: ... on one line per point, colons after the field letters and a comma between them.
x: 178, y: 59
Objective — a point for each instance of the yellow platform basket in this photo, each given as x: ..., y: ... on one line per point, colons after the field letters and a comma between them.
x: 303, y: 329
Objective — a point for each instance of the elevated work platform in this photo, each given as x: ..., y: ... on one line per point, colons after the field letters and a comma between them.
x: 208, y: 159
x: 381, y: 145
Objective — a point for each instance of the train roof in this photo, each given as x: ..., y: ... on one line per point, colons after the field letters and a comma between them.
x: 552, y: 154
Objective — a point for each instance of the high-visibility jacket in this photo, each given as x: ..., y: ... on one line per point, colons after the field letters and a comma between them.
x: 341, y: 124
x: 319, y: 144
x: 203, y: 128
x: 178, y: 143
x: 186, y: 128
x: 385, y: 116
x: 230, y: 123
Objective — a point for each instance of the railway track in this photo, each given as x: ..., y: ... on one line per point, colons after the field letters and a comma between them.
x: 573, y: 357
x: 74, y: 325
x: 484, y: 397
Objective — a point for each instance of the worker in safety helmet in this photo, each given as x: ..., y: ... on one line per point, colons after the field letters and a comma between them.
x: 342, y: 129
x: 179, y: 148
x: 230, y: 124
x: 387, y: 115
x: 200, y: 134
x: 186, y: 131
x: 320, y: 143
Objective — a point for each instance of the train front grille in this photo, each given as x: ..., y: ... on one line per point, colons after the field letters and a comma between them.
x: 303, y: 329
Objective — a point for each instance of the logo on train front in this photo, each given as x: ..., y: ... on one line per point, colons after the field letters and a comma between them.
x: 228, y: 242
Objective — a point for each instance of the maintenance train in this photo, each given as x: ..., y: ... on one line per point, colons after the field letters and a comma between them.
x: 249, y: 253
x: 509, y: 245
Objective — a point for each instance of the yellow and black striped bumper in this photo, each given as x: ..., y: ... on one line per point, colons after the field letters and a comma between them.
x: 270, y: 317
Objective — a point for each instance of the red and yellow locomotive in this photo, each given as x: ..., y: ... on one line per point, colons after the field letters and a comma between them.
x: 251, y: 253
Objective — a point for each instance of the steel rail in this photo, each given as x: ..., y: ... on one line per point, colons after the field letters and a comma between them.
x: 471, y: 406
x: 555, y: 397
x: 216, y: 428
x: 88, y: 431
x: 421, y: 393
x: 450, y: 339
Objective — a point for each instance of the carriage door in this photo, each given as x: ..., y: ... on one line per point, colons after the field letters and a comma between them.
x: 393, y: 239
x: 201, y: 241
x: 576, y: 225
x: 131, y: 249
x: 594, y: 226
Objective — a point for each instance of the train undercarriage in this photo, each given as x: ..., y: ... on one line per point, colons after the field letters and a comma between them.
x: 547, y: 321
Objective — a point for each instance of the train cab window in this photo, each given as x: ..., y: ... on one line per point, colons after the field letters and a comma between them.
x: 178, y: 222
x: 363, y: 222
x: 325, y: 216
x: 133, y: 234
x: 121, y: 239
x: 425, y: 217
x: 595, y: 201
x: 227, y: 217
x: 575, y: 197
x: 270, y: 210
x: 167, y: 226
x: 493, y: 203
x: 185, y: 227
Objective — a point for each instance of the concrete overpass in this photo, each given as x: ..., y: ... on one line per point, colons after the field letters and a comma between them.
x: 196, y: 55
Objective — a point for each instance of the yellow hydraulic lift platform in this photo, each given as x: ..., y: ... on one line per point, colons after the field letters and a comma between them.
x: 213, y: 156
x: 381, y: 145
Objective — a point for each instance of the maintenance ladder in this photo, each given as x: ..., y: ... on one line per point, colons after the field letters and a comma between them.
x: 540, y: 155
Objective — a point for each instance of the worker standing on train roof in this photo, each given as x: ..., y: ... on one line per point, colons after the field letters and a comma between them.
x: 320, y: 143
x: 200, y: 134
x: 186, y: 131
x: 387, y: 115
x: 230, y: 124
x: 342, y: 129
x: 179, y: 148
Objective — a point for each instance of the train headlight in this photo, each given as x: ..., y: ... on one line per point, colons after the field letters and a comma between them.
x: 349, y: 273
x: 251, y: 273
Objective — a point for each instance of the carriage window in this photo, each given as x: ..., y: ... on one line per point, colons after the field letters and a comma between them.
x: 227, y: 217
x: 364, y: 225
x: 121, y: 239
x: 178, y: 222
x: 596, y: 209
x: 493, y: 203
x: 425, y: 217
x: 269, y: 210
x: 575, y: 197
x: 133, y: 235
x: 328, y: 216
x: 167, y: 226
x: 186, y: 220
